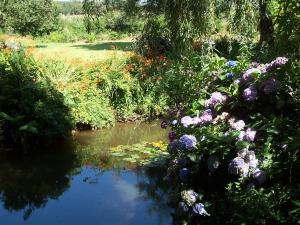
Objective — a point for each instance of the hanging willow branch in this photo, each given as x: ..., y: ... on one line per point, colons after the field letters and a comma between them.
x: 188, y: 20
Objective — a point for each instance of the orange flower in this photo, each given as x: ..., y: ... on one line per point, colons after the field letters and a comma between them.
x: 29, y: 51
x: 130, y: 67
x: 162, y: 58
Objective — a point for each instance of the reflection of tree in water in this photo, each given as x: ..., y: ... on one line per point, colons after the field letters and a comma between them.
x: 26, y: 183
x: 153, y: 187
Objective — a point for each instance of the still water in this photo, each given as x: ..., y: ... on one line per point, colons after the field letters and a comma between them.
x: 58, y: 188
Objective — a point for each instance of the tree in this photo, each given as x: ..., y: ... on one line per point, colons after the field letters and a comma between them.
x: 186, y: 20
x: 3, y: 9
x: 93, y: 9
x: 35, y: 17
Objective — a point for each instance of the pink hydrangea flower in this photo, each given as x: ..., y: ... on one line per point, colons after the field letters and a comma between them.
x: 187, y: 121
x: 215, y: 98
x: 249, y: 73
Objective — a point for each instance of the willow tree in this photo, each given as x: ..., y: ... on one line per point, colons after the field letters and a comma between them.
x: 186, y: 20
x: 252, y: 16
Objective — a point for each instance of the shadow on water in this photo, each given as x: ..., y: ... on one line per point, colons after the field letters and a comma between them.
x: 28, y: 182
x: 58, y: 188
x: 122, y: 46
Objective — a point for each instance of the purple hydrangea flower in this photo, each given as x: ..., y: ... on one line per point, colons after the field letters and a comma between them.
x: 198, y: 210
x: 188, y: 141
x: 186, y: 121
x: 259, y: 177
x: 207, y: 116
x: 249, y: 135
x: 173, y: 146
x: 183, y: 207
x: 172, y: 136
x: 214, y: 99
x: 249, y: 73
x: 231, y: 63
x: 266, y: 68
x: 279, y: 61
x: 237, y: 166
x: 270, y: 86
x: 163, y: 125
x: 250, y: 93
x: 229, y: 75
x: 197, y: 120
x: 183, y: 174
x: 174, y: 122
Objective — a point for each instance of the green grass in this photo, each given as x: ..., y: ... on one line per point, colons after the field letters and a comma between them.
x: 82, y: 52
x: 74, y: 53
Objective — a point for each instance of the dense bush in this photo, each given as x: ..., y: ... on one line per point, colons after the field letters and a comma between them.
x: 32, y: 110
x: 237, y: 159
x: 88, y: 105
x: 41, y: 101
x: 34, y: 17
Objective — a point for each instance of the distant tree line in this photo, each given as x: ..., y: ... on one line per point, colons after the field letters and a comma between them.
x: 70, y: 8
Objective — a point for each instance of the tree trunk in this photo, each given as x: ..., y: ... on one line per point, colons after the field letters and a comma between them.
x: 266, y: 28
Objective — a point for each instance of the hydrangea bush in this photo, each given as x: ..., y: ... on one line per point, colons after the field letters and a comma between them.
x: 234, y: 155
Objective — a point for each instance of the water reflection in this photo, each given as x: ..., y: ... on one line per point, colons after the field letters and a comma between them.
x: 56, y: 188
x: 26, y: 183
x: 122, y: 134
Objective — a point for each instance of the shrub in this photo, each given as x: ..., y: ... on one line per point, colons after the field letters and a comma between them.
x: 242, y: 160
x: 154, y: 39
x: 33, y: 111
x: 89, y: 107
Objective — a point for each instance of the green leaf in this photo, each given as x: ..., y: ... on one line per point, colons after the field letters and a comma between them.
x: 242, y: 144
x: 30, y: 128
x: 6, y: 116
x: 193, y: 157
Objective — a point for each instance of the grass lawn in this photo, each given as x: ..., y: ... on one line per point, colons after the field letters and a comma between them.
x: 82, y: 52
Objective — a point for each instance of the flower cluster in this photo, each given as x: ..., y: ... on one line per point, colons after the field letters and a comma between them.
x: 215, y: 98
x: 244, y: 164
x: 215, y: 148
x: 188, y: 141
x: 278, y: 62
x: 251, y: 73
x: 250, y: 93
x: 231, y: 63
x: 206, y: 117
x: 189, y: 204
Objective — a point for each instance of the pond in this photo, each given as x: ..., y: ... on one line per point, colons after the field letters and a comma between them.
x: 81, y: 182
